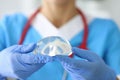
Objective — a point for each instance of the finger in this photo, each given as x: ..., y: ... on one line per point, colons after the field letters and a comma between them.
x: 11, y: 48
x: 34, y: 58
x: 69, y: 62
x: 85, y: 54
x: 25, y: 48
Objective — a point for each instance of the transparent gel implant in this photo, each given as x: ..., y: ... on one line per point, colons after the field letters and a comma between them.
x: 53, y: 45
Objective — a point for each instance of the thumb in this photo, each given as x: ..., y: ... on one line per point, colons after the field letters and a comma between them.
x: 34, y: 58
x: 85, y: 54
x: 25, y: 48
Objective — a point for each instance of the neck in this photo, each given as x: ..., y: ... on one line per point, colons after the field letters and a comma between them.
x: 59, y: 14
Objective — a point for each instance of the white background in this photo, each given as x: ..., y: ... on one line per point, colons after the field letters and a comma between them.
x: 106, y: 8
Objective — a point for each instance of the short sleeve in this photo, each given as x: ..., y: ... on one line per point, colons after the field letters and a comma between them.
x: 11, y: 27
x: 112, y: 53
x: 2, y: 34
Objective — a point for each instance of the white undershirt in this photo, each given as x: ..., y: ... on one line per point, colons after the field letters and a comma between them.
x: 45, y: 28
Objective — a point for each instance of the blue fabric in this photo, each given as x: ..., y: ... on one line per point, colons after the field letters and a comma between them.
x: 103, y: 39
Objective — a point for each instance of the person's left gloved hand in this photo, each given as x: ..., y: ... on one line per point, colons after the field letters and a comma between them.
x: 19, y: 61
x: 90, y: 67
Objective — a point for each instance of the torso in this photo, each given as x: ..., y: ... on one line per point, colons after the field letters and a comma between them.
x: 73, y: 32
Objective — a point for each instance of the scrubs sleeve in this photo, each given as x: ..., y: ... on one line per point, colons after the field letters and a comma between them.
x: 112, y: 53
x: 2, y: 34
x: 2, y: 40
x: 10, y: 29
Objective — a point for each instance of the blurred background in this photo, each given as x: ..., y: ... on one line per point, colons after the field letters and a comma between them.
x: 100, y: 8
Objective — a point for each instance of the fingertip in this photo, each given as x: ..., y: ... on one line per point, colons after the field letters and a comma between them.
x: 30, y: 47
x: 74, y: 49
x: 33, y: 45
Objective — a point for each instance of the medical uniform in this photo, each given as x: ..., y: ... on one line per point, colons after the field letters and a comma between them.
x: 103, y: 39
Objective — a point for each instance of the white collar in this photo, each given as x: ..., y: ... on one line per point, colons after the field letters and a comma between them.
x: 45, y: 28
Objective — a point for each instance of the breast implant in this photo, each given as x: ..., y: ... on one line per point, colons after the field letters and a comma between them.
x: 53, y: 45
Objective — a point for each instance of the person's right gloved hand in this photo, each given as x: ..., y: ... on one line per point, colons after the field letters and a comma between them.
x: 90, y: 67
x: 19, y: 62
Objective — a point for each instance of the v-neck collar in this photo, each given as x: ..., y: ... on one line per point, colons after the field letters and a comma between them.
x: 45, y: 28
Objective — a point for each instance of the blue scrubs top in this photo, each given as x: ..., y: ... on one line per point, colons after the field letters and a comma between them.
x: 103, y: 39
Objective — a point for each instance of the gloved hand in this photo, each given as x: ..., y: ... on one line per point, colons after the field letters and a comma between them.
x: 19, y: 62
x: 90, y: 67
x: 2, y: 78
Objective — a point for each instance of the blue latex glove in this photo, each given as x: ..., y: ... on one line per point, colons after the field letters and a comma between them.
x: 2, y: 78
x: 90, y: 67
x: 19, y: 62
